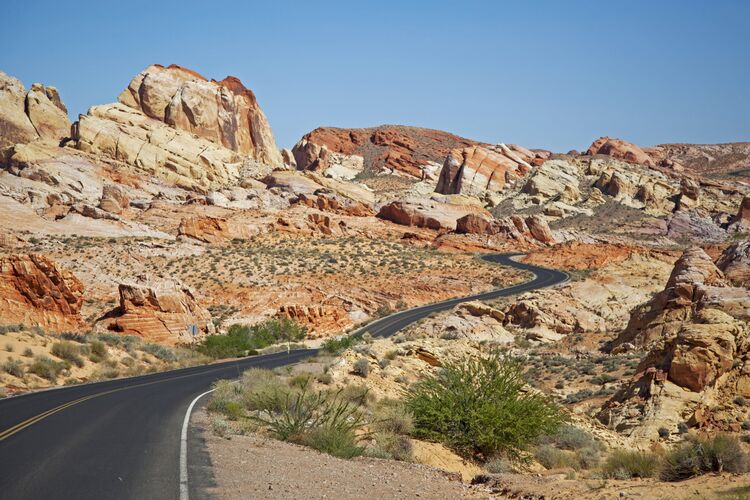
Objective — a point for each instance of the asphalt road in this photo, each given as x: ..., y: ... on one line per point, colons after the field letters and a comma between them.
x: 121, y: 438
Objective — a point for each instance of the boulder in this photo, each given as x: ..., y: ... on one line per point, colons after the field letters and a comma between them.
x: 114, y: 199
x: 34, y: 290
x: 689, y: 194
x: 620, y: 149
x: 162, y: 311
x: 224, y: 112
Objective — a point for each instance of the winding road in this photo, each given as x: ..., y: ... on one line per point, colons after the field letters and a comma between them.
x: 121, y: 438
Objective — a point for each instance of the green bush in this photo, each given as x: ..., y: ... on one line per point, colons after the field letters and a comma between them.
x: 476, y: 407
x: 554, y: 458
x: 46, y: 368
x: 700, y: 456
x: 337, y: 345
x: 332, y: 440
x: 241, y: 340
x: 68, y: 351
x: 624, y: 464
x: 13, y: 367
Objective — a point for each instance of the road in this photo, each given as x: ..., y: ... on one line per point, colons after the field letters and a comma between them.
x: 121, y: 438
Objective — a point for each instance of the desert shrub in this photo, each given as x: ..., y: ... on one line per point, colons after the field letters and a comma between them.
x: 682, y: 428
x: 106, y: 372
x: 555, y: 458
x: 28, y: 353
x: 160, y: 352
x: 68, y: 351
x: 233, y: 410
x: 570, y: 437
x: 11, y: 328
x: 13, y: 367
x: 357, y: 395
x: 624, y: 464
x: 498, y: 465
x: 9, y: 347
x: 392, y: 416
x: 322, y: 420
x: 700, y: 456
x: 361, y: 367
x: 740, y: 401
x: 46, y: 368
x: 220, y: 426
x: 337, y: 345
x: 98, y: 348
x: 394, y: 446
x: 476, y: 407
x: 324, y: 378
x: 241, y: 340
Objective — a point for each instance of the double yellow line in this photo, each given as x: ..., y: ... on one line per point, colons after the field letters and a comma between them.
x: 31, y: 421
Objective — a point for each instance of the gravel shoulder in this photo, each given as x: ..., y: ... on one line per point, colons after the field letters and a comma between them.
x: 256, y: 467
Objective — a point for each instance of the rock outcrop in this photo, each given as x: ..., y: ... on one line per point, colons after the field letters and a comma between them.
x: 36, y: 291
x: 176, y: 125
x: 384, y: 149
x: 429, y: 212
x: 224, y: 112
x: 114, y: 199
x: 734, y: 262
x: 28, y: 116
x: 330, y: 202
x: 214, y: 229
x: 163, y: 311
x: 476, y: 169
x: 620, y: 149
x: 530, y: 228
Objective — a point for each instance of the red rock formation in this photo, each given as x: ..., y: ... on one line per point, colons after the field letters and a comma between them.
x: 618, y: 148
x: 160, y: 312
x: 404, y: 149
x: 532, y: 228
x: 35, y: 291
x: 213, y: 229
x: 336, y: 204
x: 429, y: 213
x: 476, y: 169
x: 224, y: 112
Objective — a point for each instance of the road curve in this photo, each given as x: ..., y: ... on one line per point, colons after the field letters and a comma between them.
x: 120, y: 438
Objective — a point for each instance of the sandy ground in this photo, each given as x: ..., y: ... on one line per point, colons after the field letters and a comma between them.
x: 255, y: 467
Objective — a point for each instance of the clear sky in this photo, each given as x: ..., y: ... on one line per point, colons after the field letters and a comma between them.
x: 551, y: 74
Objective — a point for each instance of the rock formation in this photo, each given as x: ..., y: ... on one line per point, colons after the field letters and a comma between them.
x: 214, y: 229
x: 160, y: 311
x: 114, y: 199
x: 530, y: 228
x: 475, y: 169
x: 618, y: 148
x: 734, y: 262
x: 429, y: 212
x: 36, y: 291
x: 28, y: 116
x: 399, y: 149
x: 224, y: 112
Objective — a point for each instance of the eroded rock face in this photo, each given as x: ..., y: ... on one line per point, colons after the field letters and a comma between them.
x: 330, y: 202
x: 28, y: 116
x: 160, y: 311
x: 384, y: 149
x: 36, y: 291
x: 428, y: 212
x: 618, y: 148
x: 175, y: 156
x: 531, y: 228
x: 214, y: 229
x: 224, y: 112
x: 735, y: 262
x: 476, y: 169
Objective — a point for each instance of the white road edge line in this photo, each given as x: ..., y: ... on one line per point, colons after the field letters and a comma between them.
x: 184, y: 495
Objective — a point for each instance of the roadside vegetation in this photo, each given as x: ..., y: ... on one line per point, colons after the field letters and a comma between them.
x: 243, y: 340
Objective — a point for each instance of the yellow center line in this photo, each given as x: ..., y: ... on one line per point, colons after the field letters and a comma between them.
x: 31, y: 421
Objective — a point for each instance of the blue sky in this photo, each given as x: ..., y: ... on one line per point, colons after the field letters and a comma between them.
x: 552, y: 74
